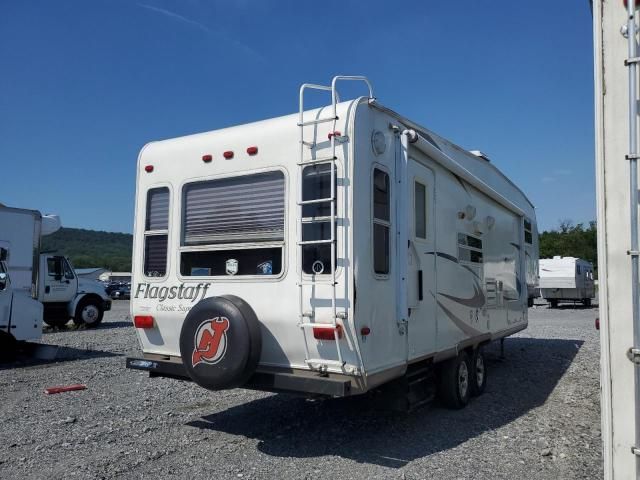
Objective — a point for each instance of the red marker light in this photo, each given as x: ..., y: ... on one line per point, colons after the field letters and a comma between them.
x: 148, y: 168
x: 597, y: 323
x: 143, y: 321
x: 334, y: 134
x: 364, y: 331
x: 326, y: 333
x: 252, y: 150
x: 228, y: 154
x: 207, y: 158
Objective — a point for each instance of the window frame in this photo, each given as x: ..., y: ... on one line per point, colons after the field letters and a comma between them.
x: 167, y: 232
x: 282, y: 244
x: 377, y: 221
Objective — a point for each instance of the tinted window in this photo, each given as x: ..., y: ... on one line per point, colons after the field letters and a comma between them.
x: 381, y: 221
x: 420, y: 210
x: 156, y: 232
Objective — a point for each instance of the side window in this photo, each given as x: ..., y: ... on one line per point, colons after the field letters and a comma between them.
x: 54, y: 267
x: 381, y: 221
x: 68, y: 270
x: 420, y: 207
x: 156, y: 232
x: 469, y: 248
x: 528, y: 232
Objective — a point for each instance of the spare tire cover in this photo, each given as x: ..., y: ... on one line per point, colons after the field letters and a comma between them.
x: 220, y: 342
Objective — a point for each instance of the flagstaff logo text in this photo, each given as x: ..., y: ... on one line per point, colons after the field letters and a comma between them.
x: 182, y: 292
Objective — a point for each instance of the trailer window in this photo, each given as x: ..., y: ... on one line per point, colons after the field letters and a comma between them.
x: 316, y: 219
x: 469, y: 249
x: 233, y: 226
x: 156, y: 232
x: 420, y: 207
x: 381, y: 221
x: 528, y: 232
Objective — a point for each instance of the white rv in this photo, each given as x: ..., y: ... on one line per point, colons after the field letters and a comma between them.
x: 327, y: 252
x: 47, y: 277
x: 566, y: 279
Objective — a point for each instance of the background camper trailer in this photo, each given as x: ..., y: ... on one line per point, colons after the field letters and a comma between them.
x: 566, y: 279
x: 327, y: 252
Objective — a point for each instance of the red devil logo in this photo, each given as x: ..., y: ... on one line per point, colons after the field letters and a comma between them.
x: 211, y: 341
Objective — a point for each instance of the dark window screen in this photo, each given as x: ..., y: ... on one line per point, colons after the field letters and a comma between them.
x: 381, y: 221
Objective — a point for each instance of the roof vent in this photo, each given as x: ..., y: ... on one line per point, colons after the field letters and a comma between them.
x: 479, y: 154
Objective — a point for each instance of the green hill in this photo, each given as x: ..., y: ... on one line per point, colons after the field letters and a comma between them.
x: 90, y: 248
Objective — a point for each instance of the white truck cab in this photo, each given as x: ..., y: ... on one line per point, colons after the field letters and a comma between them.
x: 66, y: 296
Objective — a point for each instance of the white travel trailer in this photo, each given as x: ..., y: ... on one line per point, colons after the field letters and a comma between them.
x: 615, y: 30
x: 327, y: 252
x: 566, y: 279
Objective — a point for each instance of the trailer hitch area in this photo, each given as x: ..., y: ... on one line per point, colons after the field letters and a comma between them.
x: 633, y: 354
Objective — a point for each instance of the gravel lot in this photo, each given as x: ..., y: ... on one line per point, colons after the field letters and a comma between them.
x: 539, y: 418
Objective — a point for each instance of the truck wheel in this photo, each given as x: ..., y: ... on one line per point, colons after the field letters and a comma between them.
x: 57, y: 322
x: 88, y: 313
x: 454, y: 386
x: 478, y: 372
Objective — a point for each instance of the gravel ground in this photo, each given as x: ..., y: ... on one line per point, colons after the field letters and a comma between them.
x: 539, y: 418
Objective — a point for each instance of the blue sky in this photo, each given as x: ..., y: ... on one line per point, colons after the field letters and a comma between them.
x: 85, y: 84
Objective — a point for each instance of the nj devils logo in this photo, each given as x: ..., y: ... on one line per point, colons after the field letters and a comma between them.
x: 211, y: 341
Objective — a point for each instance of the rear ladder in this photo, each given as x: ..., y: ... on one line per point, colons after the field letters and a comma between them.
x: 306, y: 318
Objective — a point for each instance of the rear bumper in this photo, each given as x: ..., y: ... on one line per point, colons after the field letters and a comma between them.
x: 271, y: 381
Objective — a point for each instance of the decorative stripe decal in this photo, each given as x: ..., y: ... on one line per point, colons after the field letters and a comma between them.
x: 458, y: 322
x: 477, y: 301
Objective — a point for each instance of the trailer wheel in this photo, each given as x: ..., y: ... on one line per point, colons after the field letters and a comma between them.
x: 89, y: 313
x: 454, y: 387
x: 586, y: 302
x: 530, y: 302
x: 478, y: 372
x: 553, y: 303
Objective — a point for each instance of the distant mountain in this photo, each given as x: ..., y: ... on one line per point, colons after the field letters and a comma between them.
x: 90, y: 248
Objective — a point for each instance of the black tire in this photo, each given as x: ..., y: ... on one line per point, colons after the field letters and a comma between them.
x: 553, y: 303
x: 453, y: 383
x: 56, y: 322
x: 8, y: 347
x: 89, y: 312
x: 220, y: 342
x: 478, y: 372
x: 530, y: 302
x: 587, y: 302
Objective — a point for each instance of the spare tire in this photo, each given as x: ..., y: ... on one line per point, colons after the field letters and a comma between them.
x: 220, y: 342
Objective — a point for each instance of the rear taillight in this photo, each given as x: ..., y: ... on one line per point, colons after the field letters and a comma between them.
x: 597, y: 323
x: 327, y: 333
x: 143, y: 321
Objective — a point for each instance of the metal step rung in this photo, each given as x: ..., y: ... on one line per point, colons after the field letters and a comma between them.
x: 316, y: 200
x: 315, y: 219
x: 316, y: 242
x: 311, y: 282
x: 317, y: 121
x: 317, y: 325
x: 329, y: 363
x: 313, y: 161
